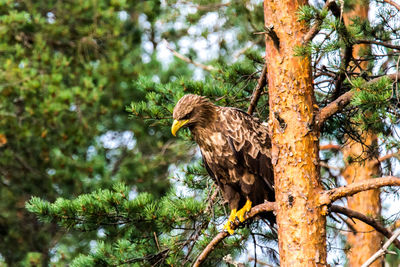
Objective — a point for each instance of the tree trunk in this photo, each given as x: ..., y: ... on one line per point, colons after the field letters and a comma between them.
x: 301, y: 221
x: 365, y: 241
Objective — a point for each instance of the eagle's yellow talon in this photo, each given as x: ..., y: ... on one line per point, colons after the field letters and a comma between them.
x: 228, y: 228
x: 231, y: 222
x: 242, y: 213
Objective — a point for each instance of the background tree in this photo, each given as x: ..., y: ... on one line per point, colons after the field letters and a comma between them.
x: 361, y: 164
x: 176, y: 228
x: 67, y: 71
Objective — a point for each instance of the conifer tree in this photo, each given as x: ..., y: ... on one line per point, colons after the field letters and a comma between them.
x: 316, y: 91
x: 360, y: 164
x: 67, y: 71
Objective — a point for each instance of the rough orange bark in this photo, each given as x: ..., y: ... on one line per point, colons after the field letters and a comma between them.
x: 301, y: 223
x: 366, y: 241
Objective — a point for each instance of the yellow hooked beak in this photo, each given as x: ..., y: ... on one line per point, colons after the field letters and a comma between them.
x: 177, y: 125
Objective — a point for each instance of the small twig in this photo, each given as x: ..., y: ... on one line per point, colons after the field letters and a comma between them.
x: 383, y: 250
x: 188, y: 60
x: 349, y: 222
x: 262, y: 81
x: 269, y: 30
x: 255, y: 248
x: 259, y: 262
x: 267, y: 206
x: 211, y: 200
x: 155, y: 237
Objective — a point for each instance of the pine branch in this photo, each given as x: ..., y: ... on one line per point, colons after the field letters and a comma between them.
x: 348, y: 50
x: 383, y: 250
x: 368, y: 220
x: 262, y: 81
x: 188, y: 60
x: 342, y: 101
x: 267, y: 206
x: 390, y: 2
x: 328, y: 197
x: 314, y: 30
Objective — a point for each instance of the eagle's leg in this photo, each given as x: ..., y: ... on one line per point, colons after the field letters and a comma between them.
x: 231, y: 220
x: 233, y: 197
x: 241, y: 214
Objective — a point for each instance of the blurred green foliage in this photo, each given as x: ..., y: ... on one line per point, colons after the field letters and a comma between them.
x: 69, y: 70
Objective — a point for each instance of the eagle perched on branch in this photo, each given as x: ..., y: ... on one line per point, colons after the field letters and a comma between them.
x: 236, y: 152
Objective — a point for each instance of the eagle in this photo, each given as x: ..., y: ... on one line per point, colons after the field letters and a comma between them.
x: 235, y: 147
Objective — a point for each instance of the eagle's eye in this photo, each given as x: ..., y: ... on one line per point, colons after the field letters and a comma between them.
x: 187, y: 116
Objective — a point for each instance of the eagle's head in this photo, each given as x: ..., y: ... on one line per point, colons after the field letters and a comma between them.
x: 192, y: 111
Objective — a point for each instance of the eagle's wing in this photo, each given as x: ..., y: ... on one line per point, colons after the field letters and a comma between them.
x: 250, y: 143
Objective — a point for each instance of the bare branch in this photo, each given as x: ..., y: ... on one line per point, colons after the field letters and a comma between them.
x: 212, y: 7
x: 385, y: 44
x: 330, y: 146
x: 330, y: 196
x: 383, y: 250
x: 333, y: 108
x: 325, y: 165
x: 395, y: 225
x: 267, y: 206
x: 188, y: 60
x: 262, y: 81
x: 390, y: 2
x: 368, y: 220
x: 343, y: 100
x: 388, y: 156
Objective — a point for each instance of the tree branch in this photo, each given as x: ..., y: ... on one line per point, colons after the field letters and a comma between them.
x: 368, y: 220
x: 345, y: 99
x: 325, y: 165
x: 348, y: 50
x: 267, y: 206
x: 333, y: 108
x: 385, y: 44
x: 327, y: 197
x: 383, y: 250
x: 330, y: 146
x: 388, y: 156
x: 390, y: 2
x: 314, y: 30
x: 262, y: 81
x: 188, y: 60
